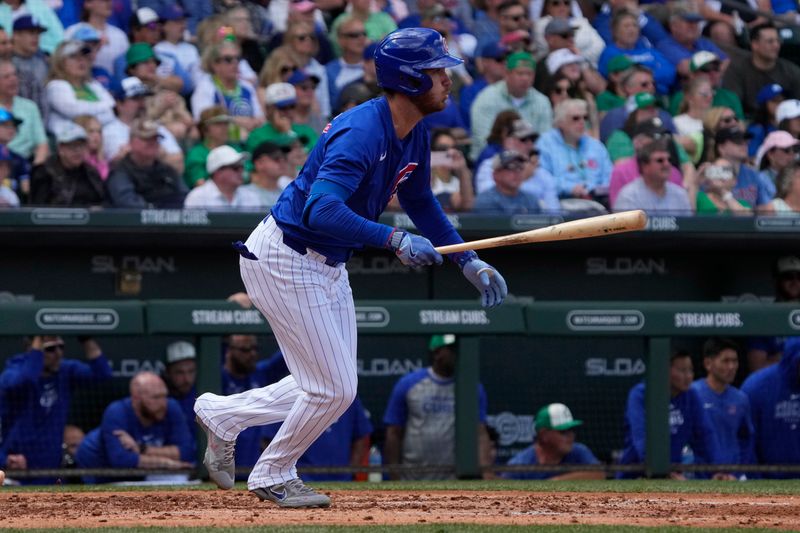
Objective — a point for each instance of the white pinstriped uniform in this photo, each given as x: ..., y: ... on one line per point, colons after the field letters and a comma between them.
x: 309, y: 306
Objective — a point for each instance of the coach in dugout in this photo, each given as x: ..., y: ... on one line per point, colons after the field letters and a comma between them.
x: 147, y: 430
x: 35, y: 392
x: 555, y: 445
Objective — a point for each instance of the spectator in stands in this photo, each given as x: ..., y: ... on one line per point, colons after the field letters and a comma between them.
x: 33, y: 66
x: 349, y: 67
x: 302, y: 45
x: 685, y: 39
x: 650, y: 27
x: 345, y: 443
x: 731, y: 144
x: 451, y: 178
x: 269, y: 169
x: 688, y: 422
x: 306, y: 108
x: 440, y: 18
x: 614, y: 96
x: 180, y: 376
x: 65, y: 178
x: 787, y: 115
x: 378, y: 24
x: 18, y: 178
x: 778, y: 151
x: 787, y: 200
x: 715, y: 195
x: 716, y: 118
x: 114, y: 41
x: 222, y: 189
x: 560, y: 88
x: 91, y: 38
x: 141, y: 179
x: 94, y: 144
x: 746, y: 78
x: 36, y: 387
x: 223, y: 87
x: 625, y: 28
x: 146, y: 430
x: 280, y: 100
x: 764, y: 121
x: 579, y: 163
x: 12, y: 10
x: 774, y: 394
x: 71, y: 90
x: 302, y: 11
x: 30, y: 140
x: 254, y: 47
x: 420, y: 415
x: 640, y: 79
x: 506, y: 197
x: 8, y: 198
x: 490, y: 66
x: 354, y: 94
x: 130, y: 106
x: 173, y: 25
x: 689, y: 124
x: 564, y: 62
x: 765, y: 351
x: 653, y: 191
x: 586, y: 41
x: 620, y: 143
x: 708, y: 65
x: 6, y: 49
x: 513, y: 92
x: 214, y: 126
x: 727, y: 408
x: 486, y: 27
x: 554, y: 444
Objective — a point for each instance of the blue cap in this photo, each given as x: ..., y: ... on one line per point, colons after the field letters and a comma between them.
x: 493, y: 51
x: 86, y: 34
x: 27, y: 22
x: 5, y: 116
x: 369, y: 51
x: 171, y: 12
x: 5, y: 153
x: 768, y: 92
x: 300, y: 75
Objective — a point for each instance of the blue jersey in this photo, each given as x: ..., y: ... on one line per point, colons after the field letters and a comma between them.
x: 248, y: 443
x: 729, y: 414
x: 688, y: 425
x: 102, y: 449
x: 579, y: 455
x: 187, y: 406
x: 34, y: 409
x: 333, y: 447
x: 360, y: 152
x: 774, y: 394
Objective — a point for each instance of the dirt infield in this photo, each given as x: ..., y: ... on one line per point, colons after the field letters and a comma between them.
x: 389, y: 507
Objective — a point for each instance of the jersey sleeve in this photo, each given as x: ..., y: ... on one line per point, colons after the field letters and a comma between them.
x: 113, y: 419
x: 397, y: 409
x: 582, y: 455
x: 179, y: 431
x: 96, y: 369
x: 634, y: 413
x: 349, y: 154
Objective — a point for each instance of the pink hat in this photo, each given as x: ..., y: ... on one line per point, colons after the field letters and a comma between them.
x: 776, y: 139
x: 303, y: 6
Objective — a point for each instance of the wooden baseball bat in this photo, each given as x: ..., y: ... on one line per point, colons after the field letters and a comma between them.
x: 574, y: 229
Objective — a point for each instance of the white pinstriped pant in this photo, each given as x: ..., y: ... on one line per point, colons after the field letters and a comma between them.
x: 310, y: 309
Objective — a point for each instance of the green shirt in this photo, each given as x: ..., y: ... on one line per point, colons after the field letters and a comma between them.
x: 606, y: 101
x: 722, y: 98
x: 195, y: 167
x: 302, y: 132
x: 30, y: 133
x: 620, y: 145
x: 706, y: 207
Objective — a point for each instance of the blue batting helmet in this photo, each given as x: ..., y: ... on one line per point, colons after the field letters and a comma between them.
x: 403, y: 54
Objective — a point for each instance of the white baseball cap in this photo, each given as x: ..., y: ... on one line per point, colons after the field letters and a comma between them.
x: 70, y: 132
x: 281, y: 94
x: 179, y: 351
x: 223, y: 156
x: 560, y: 58
x: 788, y: 109
x: 146, y: 15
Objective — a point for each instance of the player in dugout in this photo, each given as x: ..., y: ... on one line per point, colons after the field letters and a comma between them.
x: 293, y: 264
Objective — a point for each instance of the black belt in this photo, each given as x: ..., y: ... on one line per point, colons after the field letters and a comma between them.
x: 301, y: 249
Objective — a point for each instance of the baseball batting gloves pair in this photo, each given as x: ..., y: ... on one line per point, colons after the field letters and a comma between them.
x: 415, y: 250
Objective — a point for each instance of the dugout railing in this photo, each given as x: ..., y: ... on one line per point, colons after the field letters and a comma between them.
x: 656, y: 322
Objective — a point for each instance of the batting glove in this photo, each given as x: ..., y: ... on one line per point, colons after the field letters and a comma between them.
x: 414, y: 250
x: 487, y: 280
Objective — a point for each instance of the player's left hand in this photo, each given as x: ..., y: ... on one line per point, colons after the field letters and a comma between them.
x: 487, y: 280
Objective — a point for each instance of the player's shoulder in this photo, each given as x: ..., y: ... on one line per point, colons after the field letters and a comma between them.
x: 412, y: 378
x: 369, y: 117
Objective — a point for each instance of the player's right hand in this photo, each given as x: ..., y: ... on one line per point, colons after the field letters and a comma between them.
x: 415, y: 250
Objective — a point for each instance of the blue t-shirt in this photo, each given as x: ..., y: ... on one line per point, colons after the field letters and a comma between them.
x: 333, y: 447
x: 494, y: 202
x: 359, y: 151
x: 579, y: 455
x: 676, y: 52
x: 663, y: 70
x: 729, y: 414
x: 33, y: 409
x: 751, y: 187
x: 102, y: 449
x: 774, y: 394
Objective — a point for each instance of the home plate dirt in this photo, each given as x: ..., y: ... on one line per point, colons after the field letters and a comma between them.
x: 350, y: 507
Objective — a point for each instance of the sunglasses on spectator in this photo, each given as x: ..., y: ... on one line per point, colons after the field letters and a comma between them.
x: 237, y: 168
x: 660, y: 160
x: 728, y: 119
x: 713, y: 67
x: 306, y: 86
x: 354, y: 34
x: 534, y: 152
x: 228, y: 59
x: 53, y: 347
x: 785, y: 150
x: 556, y: 3
x: 152, y: 25
x: 577, y: 118
x: 286, y: 107
x: 305, y: 37
x: 288, y: 69
x: 561, y: 90
x: 442, y: 147
x: 515, y: 18
x: 646, y: 84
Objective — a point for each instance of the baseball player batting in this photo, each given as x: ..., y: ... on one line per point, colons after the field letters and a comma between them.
x: 293, y: 264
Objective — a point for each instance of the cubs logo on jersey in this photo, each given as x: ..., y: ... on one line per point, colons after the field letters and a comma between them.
x: 402, y: 176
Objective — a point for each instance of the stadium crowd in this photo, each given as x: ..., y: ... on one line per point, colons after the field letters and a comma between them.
x: 678, y: 106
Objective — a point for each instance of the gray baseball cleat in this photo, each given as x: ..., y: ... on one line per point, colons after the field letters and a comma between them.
x: 294, y: 494
x: 219, y: 458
